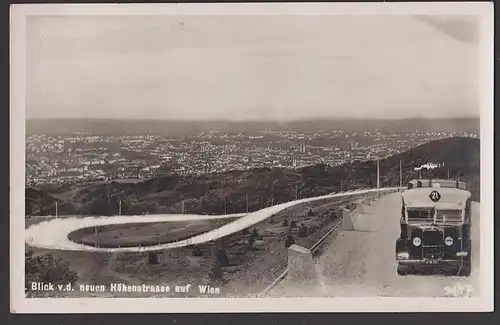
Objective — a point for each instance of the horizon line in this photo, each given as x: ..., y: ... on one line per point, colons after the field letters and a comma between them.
x: 316, y: 119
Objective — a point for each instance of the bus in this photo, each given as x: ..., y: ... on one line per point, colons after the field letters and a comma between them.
x: 435, y: 226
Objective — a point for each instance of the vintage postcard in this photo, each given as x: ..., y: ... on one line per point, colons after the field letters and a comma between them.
x: 252, y: 157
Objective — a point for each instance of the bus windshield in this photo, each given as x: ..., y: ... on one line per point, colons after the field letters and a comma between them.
x: 420, y: 214
x: 445, y: 216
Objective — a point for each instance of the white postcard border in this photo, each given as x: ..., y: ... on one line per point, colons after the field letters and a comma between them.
x: 20, y: 304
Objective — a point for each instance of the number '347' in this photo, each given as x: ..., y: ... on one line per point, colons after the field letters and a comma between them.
x: 458, y: 291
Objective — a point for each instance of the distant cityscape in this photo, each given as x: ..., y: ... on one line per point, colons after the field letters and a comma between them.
x: 56, y: 159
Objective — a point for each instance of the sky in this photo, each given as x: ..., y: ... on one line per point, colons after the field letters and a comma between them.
x: 252, y: 67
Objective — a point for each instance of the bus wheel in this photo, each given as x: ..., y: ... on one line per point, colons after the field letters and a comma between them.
x: 403, y: 269
x: 465, y: 269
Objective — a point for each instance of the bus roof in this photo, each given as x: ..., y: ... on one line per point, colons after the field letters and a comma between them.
x: 432, y: 182
x: 449, y: 198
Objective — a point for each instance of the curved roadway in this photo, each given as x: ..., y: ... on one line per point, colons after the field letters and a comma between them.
x: 53, y: 234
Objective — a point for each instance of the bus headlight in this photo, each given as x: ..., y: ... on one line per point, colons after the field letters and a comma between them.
x: 417, y: 241
x: 448, y: 241
x: 403, y: 256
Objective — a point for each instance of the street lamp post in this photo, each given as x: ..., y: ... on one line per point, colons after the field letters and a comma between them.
x: 378, y: 177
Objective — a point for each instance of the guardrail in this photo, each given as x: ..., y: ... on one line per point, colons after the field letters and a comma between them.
x: 312, y: 249
x: 316, y: 245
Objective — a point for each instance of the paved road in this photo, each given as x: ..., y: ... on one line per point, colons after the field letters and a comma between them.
x: 362, y: 262
x: 54, y: 234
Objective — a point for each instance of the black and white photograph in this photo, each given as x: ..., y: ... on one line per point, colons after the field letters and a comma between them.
x: 283, y: 153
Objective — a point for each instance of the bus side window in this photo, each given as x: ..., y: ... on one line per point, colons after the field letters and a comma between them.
x: 468, y: 210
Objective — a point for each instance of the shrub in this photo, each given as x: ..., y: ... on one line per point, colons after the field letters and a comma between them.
x: 153, y: 257
x: 251, y: 241
x: 302, y: 231
x: 285, y: 222
x: 221, y: 258
x: 216, y: 273
x: 289, y: 240
x: 197, y: 251
x: 46, y: 268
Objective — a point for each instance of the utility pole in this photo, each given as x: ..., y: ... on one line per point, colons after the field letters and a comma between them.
x: 96, y: 228
x: 57, y: 209
x: 378, y: 175
x: 120, y: 208
x: 350, y: 153
x: 246, y: 199
x: 448, y: 173
x: 400, y: 174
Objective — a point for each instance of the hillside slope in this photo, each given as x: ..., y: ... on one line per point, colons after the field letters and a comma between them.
x: 36, y: 199
x: 232, y: 191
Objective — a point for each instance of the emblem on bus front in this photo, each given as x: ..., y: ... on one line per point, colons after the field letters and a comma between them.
x: 435, y: 196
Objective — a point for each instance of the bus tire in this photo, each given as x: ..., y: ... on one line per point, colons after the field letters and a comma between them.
x: 465, y: 269
x: 403, y: 270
